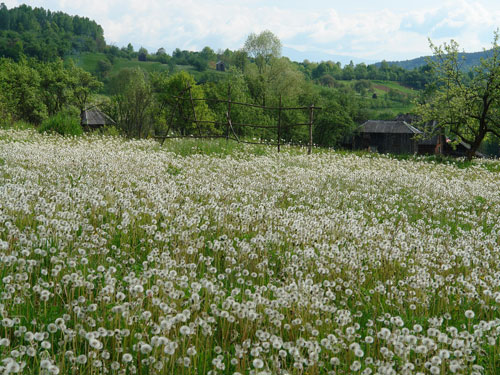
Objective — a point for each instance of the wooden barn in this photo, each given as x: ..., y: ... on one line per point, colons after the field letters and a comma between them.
x: 93, y: 118
x: 395, y: 137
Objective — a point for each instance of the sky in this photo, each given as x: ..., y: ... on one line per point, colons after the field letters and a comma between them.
x: 361, y: 30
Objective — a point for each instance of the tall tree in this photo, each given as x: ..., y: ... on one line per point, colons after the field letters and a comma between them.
x: 132, y: 100
x: 178, y: 113
x: 465, y: 105
x: 55, y: 85
x: 263, y: 47
x: 83, y: 85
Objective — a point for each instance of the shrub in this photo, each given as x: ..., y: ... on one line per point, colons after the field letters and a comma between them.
x: 110, y: 130
x: 65, y: 122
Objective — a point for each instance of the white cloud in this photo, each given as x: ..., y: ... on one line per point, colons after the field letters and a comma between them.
x: 11, y: 3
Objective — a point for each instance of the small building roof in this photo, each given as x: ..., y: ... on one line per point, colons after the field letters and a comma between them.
x: 391, y: 127
x: 94, y: 116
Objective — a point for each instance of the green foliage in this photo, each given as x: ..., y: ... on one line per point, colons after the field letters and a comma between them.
x: 20, y: 91
x: 465, y: 106
x: 110, y: 130
x: 46, y: 35
x: 66, y: 122
x: 178, y: 113
x: 55, y: 85
x: 83, y: 85
x: 263, y: 47
x: 18, y: 125
x: 31, y: 90
x: 131, y: 102
x: 363, y: 86
x: 332, y: 126
x: 104, y: 66
x: 143, y: 54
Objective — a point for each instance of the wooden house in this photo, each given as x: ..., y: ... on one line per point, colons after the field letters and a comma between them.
x: 395, y: 137
x: 399, y: 137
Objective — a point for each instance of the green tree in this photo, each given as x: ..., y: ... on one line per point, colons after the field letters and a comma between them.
x: 104, y: 66
x: 208, y: 54
x: 83, y: 86
x: 4, y: 17
x: 240, y: 60
x: 178, y: 113
x: 332, y: 125
x: 466, y: 106
x: 348, y: 72
x: 280, y: 77
x: 263, y: 47
x: 363, y: 86
x: 55, y: 85
x: 360, y: 71
x: 132, y: 101
x: 143, y: 54
x: 20, y: 87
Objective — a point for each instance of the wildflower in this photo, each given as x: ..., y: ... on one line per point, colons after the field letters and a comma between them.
x: 469, y: 314
x: 258, y: 363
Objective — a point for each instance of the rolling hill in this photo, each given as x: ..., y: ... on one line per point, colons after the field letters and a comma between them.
x: 470, y: 59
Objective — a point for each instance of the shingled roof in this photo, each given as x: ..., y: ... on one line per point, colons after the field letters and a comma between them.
x: 94, y: 117
x: 388, y: 127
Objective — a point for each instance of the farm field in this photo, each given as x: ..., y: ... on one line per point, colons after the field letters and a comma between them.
x: 124, y: 257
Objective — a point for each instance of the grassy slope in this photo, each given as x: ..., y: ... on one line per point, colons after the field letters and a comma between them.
x: 88, y: 61
x: 381, y: 88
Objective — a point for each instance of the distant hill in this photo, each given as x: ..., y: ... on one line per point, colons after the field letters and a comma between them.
x: 470, y: 59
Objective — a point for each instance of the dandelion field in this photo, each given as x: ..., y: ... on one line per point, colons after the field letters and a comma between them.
x: 122, y: 257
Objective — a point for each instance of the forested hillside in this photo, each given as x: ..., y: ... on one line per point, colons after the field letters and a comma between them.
x: 46, y: 35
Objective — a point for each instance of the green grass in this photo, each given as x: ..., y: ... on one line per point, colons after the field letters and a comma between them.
x: 89, y: 61
x: 396, y: 86
x: 223, y: 148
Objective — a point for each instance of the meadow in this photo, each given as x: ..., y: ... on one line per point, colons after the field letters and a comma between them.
x: 124, y: 257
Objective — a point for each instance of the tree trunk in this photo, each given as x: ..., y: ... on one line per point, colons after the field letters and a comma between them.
x: 474, y: 146
x: 470, y: 154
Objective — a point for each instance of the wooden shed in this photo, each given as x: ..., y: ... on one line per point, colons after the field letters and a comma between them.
x: 220, y: 66
x: 395, y: 137
x: 93, y: 118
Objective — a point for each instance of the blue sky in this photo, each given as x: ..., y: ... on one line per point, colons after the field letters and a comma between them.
x: 316, y: 29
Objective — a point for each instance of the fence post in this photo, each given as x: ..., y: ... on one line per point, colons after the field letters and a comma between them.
x: 194, y: 111
x: 279, y: 126
x: 171, y: 120
x: 311, y: 119
x: 228, y: 111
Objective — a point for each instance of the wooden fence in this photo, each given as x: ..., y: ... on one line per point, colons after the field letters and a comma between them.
x: 230, y: 133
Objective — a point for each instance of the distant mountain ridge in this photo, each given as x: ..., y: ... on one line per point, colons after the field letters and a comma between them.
x: 470, y: 60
